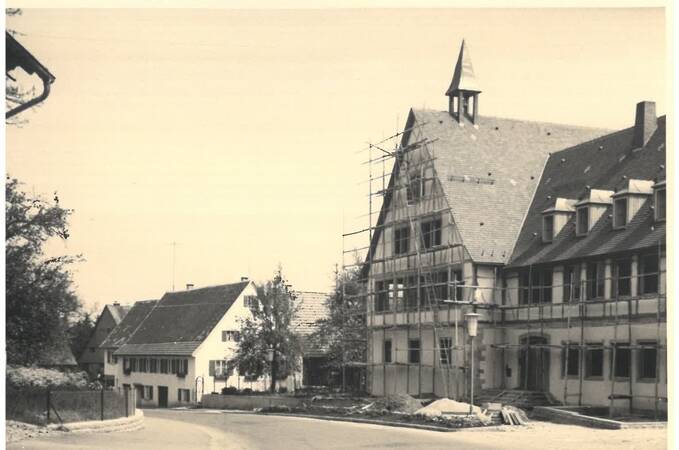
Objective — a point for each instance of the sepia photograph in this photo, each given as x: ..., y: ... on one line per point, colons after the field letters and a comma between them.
x: 338, y: 225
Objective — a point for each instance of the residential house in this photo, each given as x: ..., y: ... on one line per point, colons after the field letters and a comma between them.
x: 180, y: 348
x: 92, y: 358
x: 119, y: 336
x: 466, y: 203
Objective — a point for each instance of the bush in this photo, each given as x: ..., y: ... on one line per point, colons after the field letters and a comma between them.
x: 229, y: 390
x: 247, y: 391
x: 282, y: 390
x: 38, y: 378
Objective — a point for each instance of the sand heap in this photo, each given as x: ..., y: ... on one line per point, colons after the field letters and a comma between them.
x: 446, y: 406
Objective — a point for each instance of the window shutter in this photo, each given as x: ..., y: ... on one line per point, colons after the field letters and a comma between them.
x: 212, y: 369
x: 150, y: 392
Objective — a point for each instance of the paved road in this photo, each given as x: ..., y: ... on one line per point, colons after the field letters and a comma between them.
x: 206, y: 429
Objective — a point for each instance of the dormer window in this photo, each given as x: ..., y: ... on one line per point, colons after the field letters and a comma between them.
x: 582, y: 224
x: 620, y: 213
x: 415, y: 188
x: 547, y: 228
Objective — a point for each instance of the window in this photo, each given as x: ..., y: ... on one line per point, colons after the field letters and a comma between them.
x: 431, y: 233
x: 459, y: 285
x: 381, y: 297
x: 182, y: 367
x: 433, y: 287
x: 163, y: 366
x: 524, y: 290
x: 648, y: 274
x: 648, y: 359
x: 619, y: 213
x: 173, y: 366
x: 183, y: 395
x: 153, y: 366
x: 622, y: 271
x: 623, y: 360
x: 401, y: 240
x: 547, y: 228
x: 571, y: 283
x: 570, y: 365
x: 446, y: 351
x: 109, y: 356
x: 411, y: 293
x: 219, y: 369
x: 414, y: 351
x: 415, y: 189
x: 536, y: 286
x: 147, y: 393
x: 230, y: 336
x: 127, y: 365
x: 250, y: 301
x: 133, y: 364
x: 143, y: 365
x: 660, y: 204
x: 387, y: 351
x: 595, y: 280
x: 582, y: 218
x: 594, y: 362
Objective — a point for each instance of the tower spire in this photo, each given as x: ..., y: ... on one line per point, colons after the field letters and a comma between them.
x: 463, y: 88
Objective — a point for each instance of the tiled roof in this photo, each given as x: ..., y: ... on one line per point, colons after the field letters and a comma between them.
x: 57, y: 354
x: 606, y: 163
x: 122, y: 332
x: 488, y: 172
x: 312, y: 307
x: 184, y: 317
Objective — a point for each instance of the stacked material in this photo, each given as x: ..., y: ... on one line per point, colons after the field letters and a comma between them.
x: 513, y: 416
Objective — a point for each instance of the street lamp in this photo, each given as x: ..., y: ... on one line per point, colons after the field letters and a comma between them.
x: 472, y: 327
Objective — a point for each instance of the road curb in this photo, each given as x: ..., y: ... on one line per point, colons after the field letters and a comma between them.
x: 386, y: 423
x: 103, y: 426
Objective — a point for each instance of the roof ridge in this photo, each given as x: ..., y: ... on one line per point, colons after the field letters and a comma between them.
x: 207, y: 287
x: 481, y: 116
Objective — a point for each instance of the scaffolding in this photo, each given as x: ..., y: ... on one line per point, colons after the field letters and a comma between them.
x: 406, y: 284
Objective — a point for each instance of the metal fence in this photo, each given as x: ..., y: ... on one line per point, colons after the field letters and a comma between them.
x: 43, y: 406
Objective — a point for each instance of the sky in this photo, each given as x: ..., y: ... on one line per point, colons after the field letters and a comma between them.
x: 237, y: 134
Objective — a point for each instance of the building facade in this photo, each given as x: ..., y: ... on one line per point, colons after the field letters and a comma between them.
x: 93, y: 356
x: 181, y: 344
x: 456, y: 233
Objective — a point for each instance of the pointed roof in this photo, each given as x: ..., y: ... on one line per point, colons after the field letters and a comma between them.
x: 463, y: 77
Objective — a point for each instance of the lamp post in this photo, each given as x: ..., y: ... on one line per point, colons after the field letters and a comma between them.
x: 271, y: 359
x: 472, y: 327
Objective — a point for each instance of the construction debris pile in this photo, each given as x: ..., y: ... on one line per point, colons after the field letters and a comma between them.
x: 447, y: 408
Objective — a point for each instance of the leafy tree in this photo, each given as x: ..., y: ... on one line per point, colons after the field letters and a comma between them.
x: 39, y: 290
x: 80, y: 333
x: 343, y: 333
x: 269, y: 334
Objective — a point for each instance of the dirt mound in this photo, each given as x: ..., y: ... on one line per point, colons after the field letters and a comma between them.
x: 400, y: 403
x: 446, y: 406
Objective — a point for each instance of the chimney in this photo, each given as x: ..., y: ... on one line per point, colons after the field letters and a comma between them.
x: 244, y: 278
x: 116, y: 303
x: 645, y: 123
x: 189, y: 286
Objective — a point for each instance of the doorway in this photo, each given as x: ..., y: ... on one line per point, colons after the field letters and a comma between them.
x: 534, y: 364
x: 162, y: 396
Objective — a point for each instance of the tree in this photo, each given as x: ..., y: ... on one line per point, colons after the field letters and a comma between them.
x: 80, y: 332
x: 343, y: 333
x: 39, y: 291
x: 267, y: 342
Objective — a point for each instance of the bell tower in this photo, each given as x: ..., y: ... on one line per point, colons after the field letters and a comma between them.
x: 463, y: 93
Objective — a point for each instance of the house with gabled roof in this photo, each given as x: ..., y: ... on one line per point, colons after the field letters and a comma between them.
x: 177, y: 348
x: 459, y: 231
x: 92, y: 358
x: 310, y: 308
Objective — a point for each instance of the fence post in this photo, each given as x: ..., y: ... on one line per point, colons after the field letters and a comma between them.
x: 127, y: 407
x: 48, y: 405
x: 102, y: 402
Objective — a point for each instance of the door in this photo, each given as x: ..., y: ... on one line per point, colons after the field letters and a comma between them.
x: 534, y: 364
x: 139, y: 390
x: 162, y: 396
